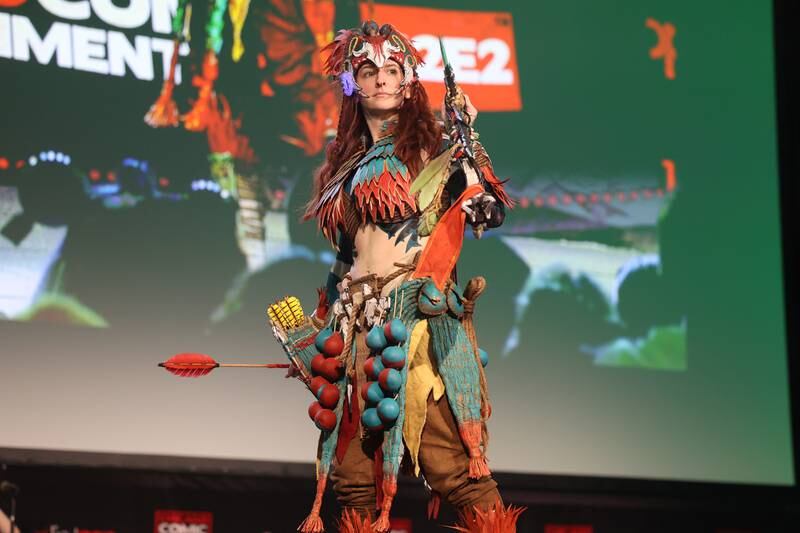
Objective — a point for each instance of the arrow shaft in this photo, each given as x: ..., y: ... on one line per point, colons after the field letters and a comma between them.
x: 245, y: 365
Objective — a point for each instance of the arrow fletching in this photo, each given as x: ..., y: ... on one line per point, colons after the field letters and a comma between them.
x: 189, y: 365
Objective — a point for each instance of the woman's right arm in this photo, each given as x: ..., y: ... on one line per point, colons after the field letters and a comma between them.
x: 342, y: 265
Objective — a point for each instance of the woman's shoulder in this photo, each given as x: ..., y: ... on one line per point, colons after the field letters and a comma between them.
x: 444, y: 145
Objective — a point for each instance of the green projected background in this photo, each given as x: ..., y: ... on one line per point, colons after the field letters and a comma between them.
x: 634, y: 311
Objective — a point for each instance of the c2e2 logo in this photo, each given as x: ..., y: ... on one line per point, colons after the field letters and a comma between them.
x: 479, y: 46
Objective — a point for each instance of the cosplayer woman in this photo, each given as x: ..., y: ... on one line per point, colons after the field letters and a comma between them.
x: 400, y: 373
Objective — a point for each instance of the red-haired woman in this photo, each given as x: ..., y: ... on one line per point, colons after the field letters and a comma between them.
x: 394, y: 199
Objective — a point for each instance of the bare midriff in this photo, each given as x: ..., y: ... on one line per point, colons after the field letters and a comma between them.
x: 375, y: 252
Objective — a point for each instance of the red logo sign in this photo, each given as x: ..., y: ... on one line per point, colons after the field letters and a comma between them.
x: 479, y: 46
x: 55, y: 528
x: 183, y: 522
x: 399, y: 525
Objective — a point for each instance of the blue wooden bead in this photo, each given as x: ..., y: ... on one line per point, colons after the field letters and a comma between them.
x: 393, y: 357
x: 322, y: 336
x: 484, y: 356
x: 373, y: 367
x: 395, y: 331
x: 374, y: 393
x: 371, y: 420
x: 376, y: 340
x: 388, y: 410
x: 390, y: 381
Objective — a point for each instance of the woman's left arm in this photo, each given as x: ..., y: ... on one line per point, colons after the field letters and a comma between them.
x: 486, y: 209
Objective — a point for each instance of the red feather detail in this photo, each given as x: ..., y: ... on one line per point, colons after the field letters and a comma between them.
x: 329, y: 216
x: 337, y: 49
x: 190, y: 365
x: 322, y: 303
x: 383, y: 197
x: 497, y: 186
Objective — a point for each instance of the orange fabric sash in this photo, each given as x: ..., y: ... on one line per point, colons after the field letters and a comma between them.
x: 444, y: 245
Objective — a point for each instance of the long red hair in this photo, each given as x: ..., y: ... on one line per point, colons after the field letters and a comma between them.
x: 417, y: 134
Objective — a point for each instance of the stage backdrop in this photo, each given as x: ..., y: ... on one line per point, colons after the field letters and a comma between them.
x: 155, y: 156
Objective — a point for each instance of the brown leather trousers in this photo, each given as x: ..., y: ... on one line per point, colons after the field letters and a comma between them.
x: 443, y: 460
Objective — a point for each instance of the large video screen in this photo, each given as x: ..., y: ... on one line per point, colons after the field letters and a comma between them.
x: 156, y: 155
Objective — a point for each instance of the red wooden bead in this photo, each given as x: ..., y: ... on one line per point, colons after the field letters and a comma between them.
x: 373, y: 367
x: 329, y: 396
x: 313, y: 409
x: 332, y: 370
x: 333, y: 345
x: 316, y: 383
x: 316, y: 364
x: 325, y: 420
x: 364, y: 389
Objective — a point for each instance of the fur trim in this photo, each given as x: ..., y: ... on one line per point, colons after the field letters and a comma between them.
x: 496, y: 519
x: 313, y: 522
x: 353, y: 522
x: 389, y: 486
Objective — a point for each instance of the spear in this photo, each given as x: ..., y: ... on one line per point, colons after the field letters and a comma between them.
x: 455, y: 110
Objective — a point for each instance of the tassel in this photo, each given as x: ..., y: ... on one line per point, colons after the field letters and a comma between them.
x: 352, y: 522
x: 164, y: 111
x: 496, y: 519
x: 382, y: 525
x: 197, y: 118
x: 473, y: 290
x: 478, y: 467
x: 237, y: 10
x: 471, y: 437
x: 313, y: 522
x: 434, y: 502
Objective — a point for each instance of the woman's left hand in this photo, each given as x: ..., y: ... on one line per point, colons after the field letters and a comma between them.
x: 471, y: 110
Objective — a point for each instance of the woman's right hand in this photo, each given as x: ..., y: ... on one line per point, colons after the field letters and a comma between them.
x: 293, y: 371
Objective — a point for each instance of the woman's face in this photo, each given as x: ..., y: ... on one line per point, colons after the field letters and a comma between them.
x: 381, y: 86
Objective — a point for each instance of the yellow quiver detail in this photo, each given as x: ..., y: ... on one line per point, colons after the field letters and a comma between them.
x: 287, y: 312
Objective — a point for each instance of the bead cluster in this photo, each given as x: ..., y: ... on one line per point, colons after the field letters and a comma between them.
x: 327, y: 370
x: 383, y: 369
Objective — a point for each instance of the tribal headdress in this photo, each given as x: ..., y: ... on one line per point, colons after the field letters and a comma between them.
x: 352, y: 48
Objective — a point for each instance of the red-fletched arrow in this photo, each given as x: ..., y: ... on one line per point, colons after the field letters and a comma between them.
x: 194, y: 365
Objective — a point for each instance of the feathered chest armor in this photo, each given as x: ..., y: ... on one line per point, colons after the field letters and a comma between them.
x: 380, y: 186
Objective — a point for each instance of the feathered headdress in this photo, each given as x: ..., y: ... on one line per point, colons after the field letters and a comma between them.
x: 353, y: 47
